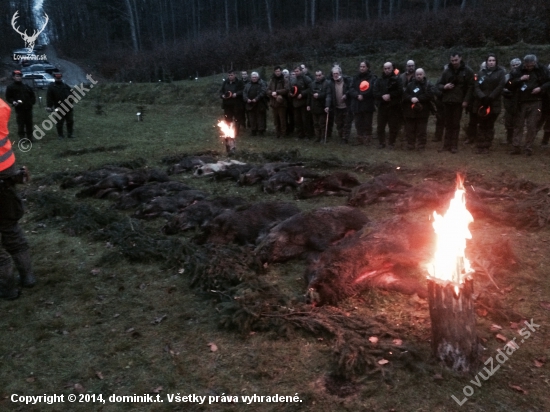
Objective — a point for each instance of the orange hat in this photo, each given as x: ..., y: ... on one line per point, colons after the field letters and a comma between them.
x: 396, y: 71
x: 58, y: 75
x: 484, y: 111
x: 16, y: 73
x: 364, y: 86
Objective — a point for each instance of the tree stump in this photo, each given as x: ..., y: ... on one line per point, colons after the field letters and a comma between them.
x: 454, y: 339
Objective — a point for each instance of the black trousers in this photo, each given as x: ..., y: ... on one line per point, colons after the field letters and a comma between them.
x: 486, y: 130
x: 416, y: 131
x: 452, y: 113
x: 24, y: 123
x: 363, y: 124
x: 69, y: 118
x: 13, y: 240
x: 391, y: 117
x: 343, y: 119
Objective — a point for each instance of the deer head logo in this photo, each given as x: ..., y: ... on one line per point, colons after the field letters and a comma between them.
x: 29, y: 40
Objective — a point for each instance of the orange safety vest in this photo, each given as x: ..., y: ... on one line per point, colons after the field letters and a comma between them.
x: 7, y: 158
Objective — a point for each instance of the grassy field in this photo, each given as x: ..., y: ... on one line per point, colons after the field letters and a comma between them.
x: 101, y: 323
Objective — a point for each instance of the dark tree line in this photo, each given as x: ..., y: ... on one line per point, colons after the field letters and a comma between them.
x: 144, y: 24
x: 152, y: 39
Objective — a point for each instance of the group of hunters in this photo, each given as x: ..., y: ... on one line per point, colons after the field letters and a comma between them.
x: 311, y: 106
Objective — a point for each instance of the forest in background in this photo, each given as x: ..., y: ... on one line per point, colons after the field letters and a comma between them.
x: 147, y: 40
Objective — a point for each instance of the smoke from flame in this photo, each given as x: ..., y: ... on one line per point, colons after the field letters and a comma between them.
x: 449, y: 262
x: 227, y: 130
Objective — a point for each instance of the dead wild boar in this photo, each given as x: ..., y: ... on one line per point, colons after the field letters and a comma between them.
x: 337, y: 183
x: 381, y: 255
x: 190, y: 163
x: 380, y: 186
x: 147, y: 192
x: 426, y: 194
x: 288, y: 178
x: 259, y: 173
x: 244, y: 226
x: 166, y: 205
x: 200, y: 213
x: 211, y: 168
x: 116, y: 183
x: 91, y: 177
x: 232, y: 172
x: 312, y: 231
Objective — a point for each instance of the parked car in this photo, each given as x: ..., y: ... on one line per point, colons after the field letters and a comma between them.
x: 40, y: 67
x: 39, y: 80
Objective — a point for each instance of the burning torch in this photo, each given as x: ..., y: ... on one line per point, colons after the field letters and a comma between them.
x: 228, y: 134
x: 450, y: 288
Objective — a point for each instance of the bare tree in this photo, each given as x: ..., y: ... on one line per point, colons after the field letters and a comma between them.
x: 268, y: 12
x: 379, y: 9
x: 463, y: 5
x: 131, y: 16
x: 226, y: 17
x: 312, y: 13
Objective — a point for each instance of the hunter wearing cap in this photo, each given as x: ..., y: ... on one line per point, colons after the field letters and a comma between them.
x: 22, y: 98
x: 13, y: 244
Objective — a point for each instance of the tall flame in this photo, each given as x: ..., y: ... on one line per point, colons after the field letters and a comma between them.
x: 449, y: 262
x: 227, y: 130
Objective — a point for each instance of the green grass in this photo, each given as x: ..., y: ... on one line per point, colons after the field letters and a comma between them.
x: 96, y: 330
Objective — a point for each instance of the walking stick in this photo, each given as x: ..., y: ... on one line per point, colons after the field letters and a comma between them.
x: 326, y: 129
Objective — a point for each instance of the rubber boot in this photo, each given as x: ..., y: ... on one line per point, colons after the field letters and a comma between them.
x: 7, y: 282
x: 23, y: 264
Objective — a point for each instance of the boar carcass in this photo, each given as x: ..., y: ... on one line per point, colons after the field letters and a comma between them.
x: 190, y: 163
x: 380, y: 186
x: 167, y: 205
x: 337, y: 183
x: 200, y: 213
x: 307, y: 232
x: 245, y: 225
x: 211, y: 168
x: 147, y: 192
x: 288, y: 178
x: 382, y: 255
x: 116, y: 183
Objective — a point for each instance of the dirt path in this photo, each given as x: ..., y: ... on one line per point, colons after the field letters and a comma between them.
x: 72, y: 74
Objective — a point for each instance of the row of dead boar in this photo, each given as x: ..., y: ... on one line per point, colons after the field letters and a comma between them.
x: 346, y: 252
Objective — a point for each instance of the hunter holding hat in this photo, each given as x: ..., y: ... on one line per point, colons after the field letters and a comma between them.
x: 22, y: 98
x: 361, y: 98
x: 13, y: 244
x: 488, y: 89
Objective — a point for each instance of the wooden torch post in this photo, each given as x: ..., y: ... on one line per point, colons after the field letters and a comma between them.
x: 454, y: 339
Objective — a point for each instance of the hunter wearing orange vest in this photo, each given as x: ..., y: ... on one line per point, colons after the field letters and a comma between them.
x: 13, y: 244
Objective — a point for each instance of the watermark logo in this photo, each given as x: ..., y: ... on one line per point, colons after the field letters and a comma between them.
x: 501, y: 358
x: 29, y: 40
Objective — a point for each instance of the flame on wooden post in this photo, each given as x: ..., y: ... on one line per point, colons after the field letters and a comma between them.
x: 449, y: 263
x: 227, y: 130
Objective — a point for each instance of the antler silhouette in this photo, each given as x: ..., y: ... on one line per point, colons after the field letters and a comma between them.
x: 29, y: 40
